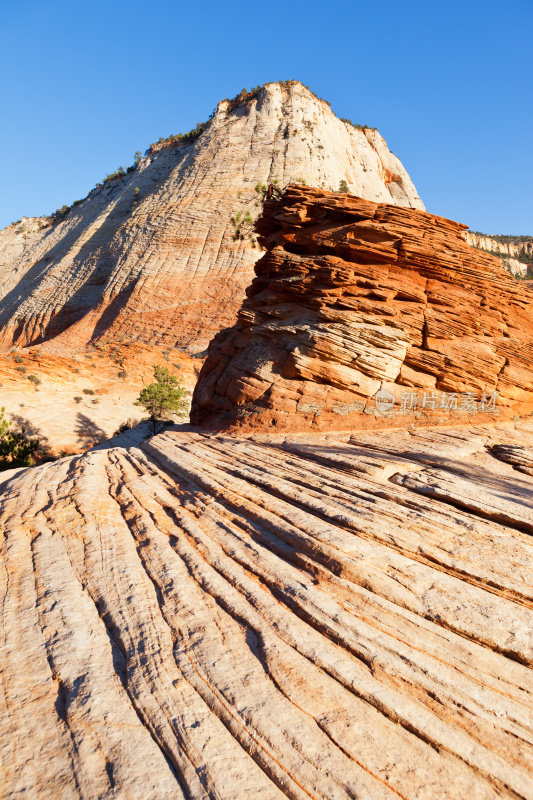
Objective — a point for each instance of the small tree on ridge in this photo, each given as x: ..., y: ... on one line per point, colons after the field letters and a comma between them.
x: 164, y: 397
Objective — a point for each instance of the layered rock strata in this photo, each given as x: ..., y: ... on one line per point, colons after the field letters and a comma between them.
x: 369, y: 315
x: 164, y: 254
x: 204, y: 616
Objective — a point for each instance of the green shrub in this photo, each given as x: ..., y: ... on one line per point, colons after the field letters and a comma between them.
x: 243, y: 224
x: 18, y: 359
x: 16, y: 449
x: 246, y: 95
x: 21, y: 369
x: 87, y: 391
x: 181, y: 138
x: 34, y: 379
x: 343, y: 187
x: 122, y: 374
x: 164, y: 397
x: 60, y: 213
x: 505, y: 238
x: 118, y: 173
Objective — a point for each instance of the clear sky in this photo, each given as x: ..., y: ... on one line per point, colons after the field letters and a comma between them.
x: 448, y: 84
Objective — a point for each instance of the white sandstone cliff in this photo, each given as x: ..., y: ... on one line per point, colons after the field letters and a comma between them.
x: 165, y: 264
x: 509, y: 252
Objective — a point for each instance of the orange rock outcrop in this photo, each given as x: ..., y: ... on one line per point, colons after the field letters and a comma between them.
x: 365, y: 314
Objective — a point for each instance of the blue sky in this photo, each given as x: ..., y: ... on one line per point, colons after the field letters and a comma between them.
x: 448, y: 84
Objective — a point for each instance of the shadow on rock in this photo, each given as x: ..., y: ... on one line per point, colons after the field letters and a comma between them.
x: 88, y: 432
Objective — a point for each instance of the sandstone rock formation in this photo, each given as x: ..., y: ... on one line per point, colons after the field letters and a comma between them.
x: 154, y: 254
x: 369, y: 315
x: 203, y: 616
x: 516, y: 254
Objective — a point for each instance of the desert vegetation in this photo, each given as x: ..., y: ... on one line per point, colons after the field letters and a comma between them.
x: 164, y: 398
x: 17, y: 449
x: 247, y: 95
x: 357, y: 125
x: 505, y: 238
x: 60, y: 213
x: 243, y: 223
x: 180, y: 138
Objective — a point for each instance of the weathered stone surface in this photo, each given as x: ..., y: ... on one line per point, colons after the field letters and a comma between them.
x: 163, y: 265
x: 520, y: 457
x: 358, y: 304
x: 205, y: 616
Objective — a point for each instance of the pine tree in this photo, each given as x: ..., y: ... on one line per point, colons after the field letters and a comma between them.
x: 163, y: 398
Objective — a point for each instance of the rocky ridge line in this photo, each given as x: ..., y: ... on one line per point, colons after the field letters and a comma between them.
x: 516, y: 256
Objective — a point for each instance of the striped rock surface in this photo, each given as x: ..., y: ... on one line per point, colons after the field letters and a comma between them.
x: 202, y: 616
x: 366, y: 315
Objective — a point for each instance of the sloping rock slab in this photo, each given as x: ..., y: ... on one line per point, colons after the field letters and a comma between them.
x: 202, y: 616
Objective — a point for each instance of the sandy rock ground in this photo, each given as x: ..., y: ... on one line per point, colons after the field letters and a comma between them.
x: 81, y: 398
x: 327, y: 616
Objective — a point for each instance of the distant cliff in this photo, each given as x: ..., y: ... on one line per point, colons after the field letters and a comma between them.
x: 515, y: 252
x: 164, y: 251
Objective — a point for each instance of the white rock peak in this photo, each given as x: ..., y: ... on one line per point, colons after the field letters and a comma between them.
x: 159, y: 254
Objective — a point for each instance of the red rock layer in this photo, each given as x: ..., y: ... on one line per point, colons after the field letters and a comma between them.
x: 369, y: 315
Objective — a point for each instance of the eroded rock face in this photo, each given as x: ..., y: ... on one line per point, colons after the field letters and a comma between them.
x: 201, y: 616
x: 369, y: 315
x: 153, y: 255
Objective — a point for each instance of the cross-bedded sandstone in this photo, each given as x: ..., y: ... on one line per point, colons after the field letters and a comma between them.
x: 369, y: 315
x: 339, y: 616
